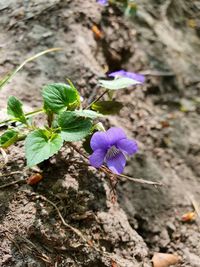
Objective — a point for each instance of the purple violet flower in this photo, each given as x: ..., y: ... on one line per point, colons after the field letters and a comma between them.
x: 111, y: 147
x: 102, y: 2
x: 131, y: 75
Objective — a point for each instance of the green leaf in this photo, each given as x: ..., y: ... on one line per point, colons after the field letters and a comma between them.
x: 107, y: 107
x: 73, y: 127
x: 8, y: 138
x: 14, y: 108
x: 118, y: 83
x: 41, y: 145
x: 87, y: 113
x: 59, y: 96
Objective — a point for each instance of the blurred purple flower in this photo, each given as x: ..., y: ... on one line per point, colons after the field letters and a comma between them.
x: 102, y: 2
x: 111, y: 147
x: 131, y: 75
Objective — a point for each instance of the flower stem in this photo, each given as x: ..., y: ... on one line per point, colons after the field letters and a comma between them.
x: 97, y: 99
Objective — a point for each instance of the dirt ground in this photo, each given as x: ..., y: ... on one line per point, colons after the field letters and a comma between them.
x: 163, y: 42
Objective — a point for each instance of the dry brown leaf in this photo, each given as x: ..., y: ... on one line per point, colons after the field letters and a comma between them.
x: 97, y: 32
x: 164, y: 259
x: 114, y: 264
x: 164, y: 124
x: 90, y: 243
x: 188, y: 217
x: 34, y: 179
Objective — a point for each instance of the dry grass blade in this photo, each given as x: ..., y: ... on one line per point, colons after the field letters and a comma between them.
x: 195, y: 205
x: 8, y: 77
x: 196, y: 208
x: 4, y: 156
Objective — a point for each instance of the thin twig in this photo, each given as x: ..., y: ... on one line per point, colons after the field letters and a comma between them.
x: 77, y: 231
x: 11, y: 173
x: 105, y: 170
x: 40, y: 255
x: 140, y: 181
x: 78, y: 150
x: 20, y: 238
x: 12, y: 183
x: 15, y: 243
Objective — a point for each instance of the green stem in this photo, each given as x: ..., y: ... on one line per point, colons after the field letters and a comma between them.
x: 50, y: 116
x: 37, y: 111
x: 58, y: 129
x: 97, y: 99
x: 21, y: 137
x: 27, y: 115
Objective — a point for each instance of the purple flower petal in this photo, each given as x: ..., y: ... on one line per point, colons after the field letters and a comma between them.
x: 97, y: 158
x: 131, y: 75
x: 128, y: 146
x: 102, y: 2
x: 117, y: 163
x: 99, y: 140
x: 114, y: 134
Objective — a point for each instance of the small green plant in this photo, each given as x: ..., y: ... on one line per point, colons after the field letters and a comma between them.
x: 68, y: 121
x: 129, y: 7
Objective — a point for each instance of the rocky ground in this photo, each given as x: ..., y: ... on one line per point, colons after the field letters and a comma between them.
x: 162, y: 42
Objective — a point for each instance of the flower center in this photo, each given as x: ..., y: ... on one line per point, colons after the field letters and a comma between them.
x: 112, y: 152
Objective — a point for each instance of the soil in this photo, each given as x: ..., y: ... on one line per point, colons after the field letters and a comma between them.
x: 161, y: 41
